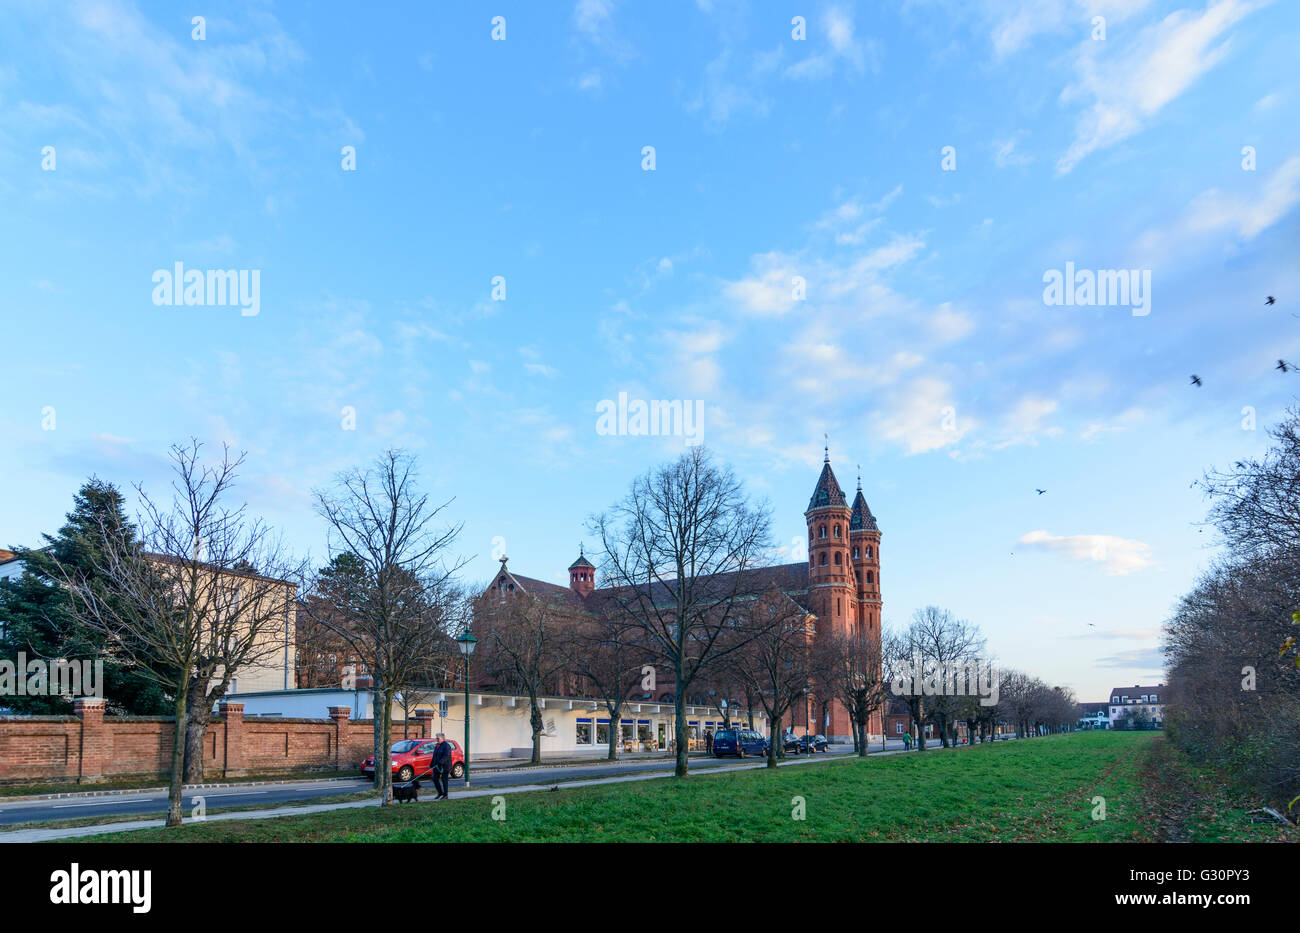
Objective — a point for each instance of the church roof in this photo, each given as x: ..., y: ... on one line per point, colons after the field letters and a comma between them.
x: 862, y: 519
x: 581, y: 562
x: 828, y: 492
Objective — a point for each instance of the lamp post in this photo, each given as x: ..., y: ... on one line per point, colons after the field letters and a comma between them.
x: 466, y: 643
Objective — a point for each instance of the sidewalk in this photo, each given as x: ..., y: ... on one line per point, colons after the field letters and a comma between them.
x: 73, y: 832
x: 307, y: 777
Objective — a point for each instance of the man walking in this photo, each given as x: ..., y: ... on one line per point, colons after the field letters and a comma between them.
x: 441, y: 765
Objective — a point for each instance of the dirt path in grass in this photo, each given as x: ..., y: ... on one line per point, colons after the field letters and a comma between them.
x: 1167, y: 800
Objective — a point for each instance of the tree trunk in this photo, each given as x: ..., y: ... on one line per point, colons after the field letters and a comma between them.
x: 176, y: 786
x: 614, y: 723
x: 775, y: 743
x: 535, y: 721
x: 679, y: 707
x: 197, y: 718
x: 385, y: 773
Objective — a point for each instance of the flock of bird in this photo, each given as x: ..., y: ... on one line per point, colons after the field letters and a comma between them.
x: 1282, y: 365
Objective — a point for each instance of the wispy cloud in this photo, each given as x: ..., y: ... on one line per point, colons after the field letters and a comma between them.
x: 1129, y: 86
x: 1117, y: 556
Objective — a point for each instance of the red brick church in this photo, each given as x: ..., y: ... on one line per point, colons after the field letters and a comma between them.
x: 839, y: 586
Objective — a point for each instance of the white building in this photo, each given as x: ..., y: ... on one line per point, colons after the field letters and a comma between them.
x: 499, y: 722
x: 1138, y: 704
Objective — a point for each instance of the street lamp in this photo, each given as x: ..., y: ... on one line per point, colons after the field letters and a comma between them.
x: 466, y: 644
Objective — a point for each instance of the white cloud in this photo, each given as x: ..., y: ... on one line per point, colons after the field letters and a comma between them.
x: 843, y: 46
x: 919, y: 417
x: 1129, y: 87
x: 1216, y: 212
x: 1117, y: 556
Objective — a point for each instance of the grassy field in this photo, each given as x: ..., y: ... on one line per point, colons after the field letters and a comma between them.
x: 1037, y: 790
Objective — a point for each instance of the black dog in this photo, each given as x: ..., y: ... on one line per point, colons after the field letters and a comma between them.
x: 408, y: 791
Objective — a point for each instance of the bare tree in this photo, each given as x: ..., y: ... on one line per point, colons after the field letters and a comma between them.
x: 607, y: 655
x: 394, y: 599
x: 523, y: 636
x: 203, y: 596
x: 676, y: 549
x: 772, y: 659
x: 852, y: 667
x: 938, y: 642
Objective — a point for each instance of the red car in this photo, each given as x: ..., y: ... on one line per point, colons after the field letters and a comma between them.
x: 413, y: 758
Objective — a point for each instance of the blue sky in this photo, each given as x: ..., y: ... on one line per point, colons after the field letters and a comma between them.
x: 923, y: 346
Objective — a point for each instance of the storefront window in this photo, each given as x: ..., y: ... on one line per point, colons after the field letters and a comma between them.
x: 643, y: 731
x: 584, y: 732
x: 602, y: 731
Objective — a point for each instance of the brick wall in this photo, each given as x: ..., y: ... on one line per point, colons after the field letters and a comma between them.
x: 90, y: 746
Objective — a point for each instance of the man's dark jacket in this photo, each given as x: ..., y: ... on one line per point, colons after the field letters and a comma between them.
x: 442, y: 756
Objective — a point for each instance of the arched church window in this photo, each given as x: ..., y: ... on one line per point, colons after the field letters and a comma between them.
x: 868, y: 552
x: 823, y: 531
x: 871, y: 577
x: 855, y: 553
x: 837, y: 531
x: 838, y: 560
x: 823, y: 560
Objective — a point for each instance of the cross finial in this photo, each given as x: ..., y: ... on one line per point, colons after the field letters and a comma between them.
x: 859, y: 477
x: 827, y: 447
x: 580, y: 554
x: 503, y: 560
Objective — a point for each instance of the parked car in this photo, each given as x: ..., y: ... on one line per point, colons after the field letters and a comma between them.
x: 413, y: 758
x: 790, y: 742
x: 738, y: 742
x: 817, y: 743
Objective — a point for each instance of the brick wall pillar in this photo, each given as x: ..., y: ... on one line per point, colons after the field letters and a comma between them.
x: 340, y: 716
x: 94, y: 750
x: 236, y: 755
x: 425, y: 718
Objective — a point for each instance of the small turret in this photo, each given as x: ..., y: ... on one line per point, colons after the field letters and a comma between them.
x: 582, y: 575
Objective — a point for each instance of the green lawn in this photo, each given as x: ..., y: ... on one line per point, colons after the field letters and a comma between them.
x: 1041, y: 789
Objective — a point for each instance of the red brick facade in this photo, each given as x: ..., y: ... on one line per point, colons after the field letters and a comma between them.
x: 843, y: 577
x: 90, y: 746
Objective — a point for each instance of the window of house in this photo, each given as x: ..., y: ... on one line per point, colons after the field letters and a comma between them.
x: 898, y: 728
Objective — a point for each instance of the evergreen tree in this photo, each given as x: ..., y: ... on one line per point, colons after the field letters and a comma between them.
x: 36, y: 611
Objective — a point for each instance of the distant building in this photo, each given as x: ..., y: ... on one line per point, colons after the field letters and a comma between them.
x: 1137, y: 707
x: 1094, y: 715
x: 10, y: 565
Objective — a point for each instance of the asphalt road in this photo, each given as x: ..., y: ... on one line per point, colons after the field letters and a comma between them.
x: 269, y: 795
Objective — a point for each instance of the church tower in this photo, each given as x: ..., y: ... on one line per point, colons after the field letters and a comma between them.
x: 832, y: 589
x: 864, y: 538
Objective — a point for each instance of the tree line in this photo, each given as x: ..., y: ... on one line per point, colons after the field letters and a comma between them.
x: 1232, y: 645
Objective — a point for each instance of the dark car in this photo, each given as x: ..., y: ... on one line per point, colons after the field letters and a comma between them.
x: 738, y: 742
x: 817, y: 743
x: 790, y: 742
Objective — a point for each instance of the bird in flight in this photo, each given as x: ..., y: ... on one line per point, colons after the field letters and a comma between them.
x: 1284, y: 366
x: 1040, y: 491
x: 1271, y: 300
x: 1196, y: 380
